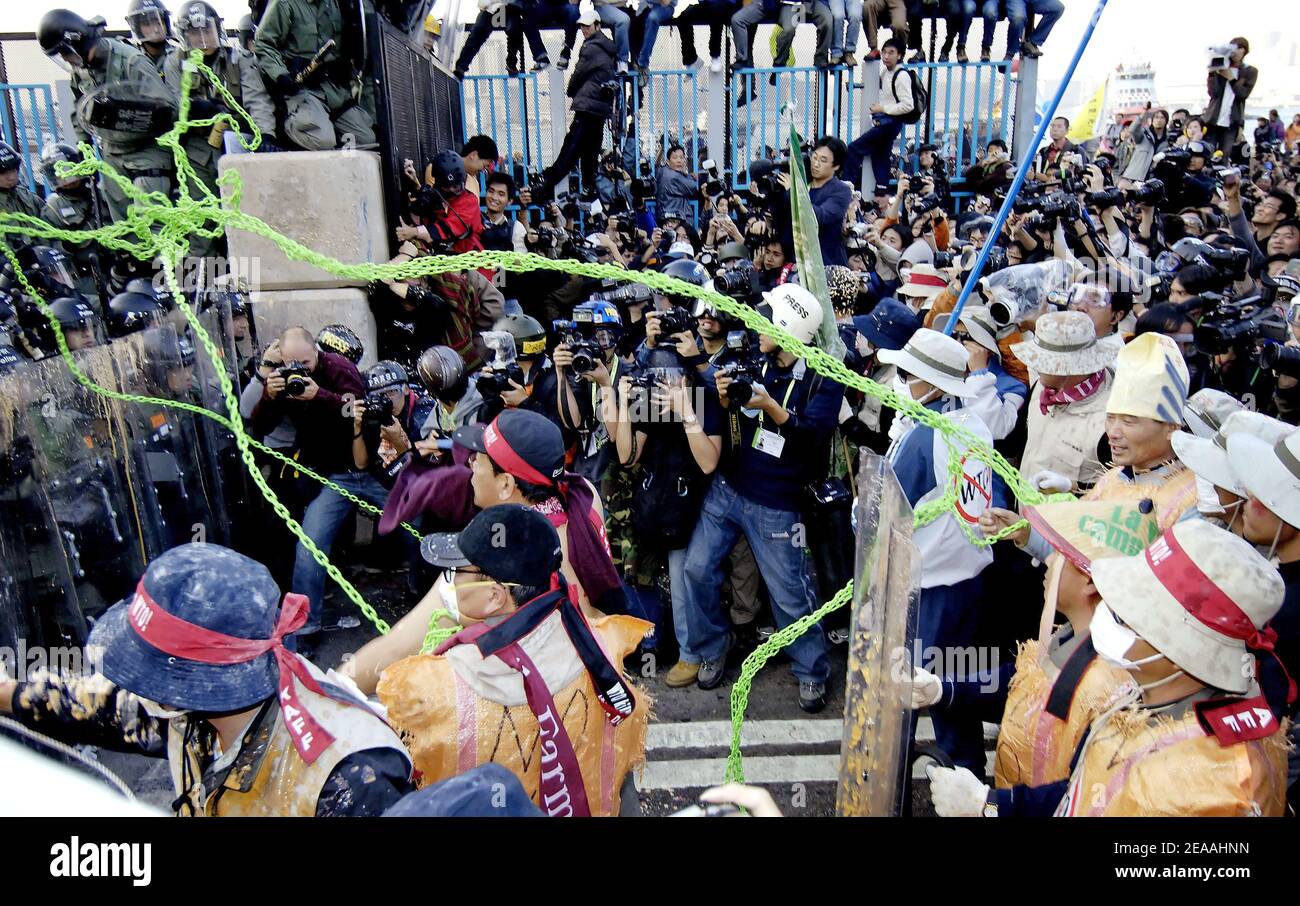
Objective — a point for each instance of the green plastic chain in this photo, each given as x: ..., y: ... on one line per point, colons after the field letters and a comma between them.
x: 156, y: 227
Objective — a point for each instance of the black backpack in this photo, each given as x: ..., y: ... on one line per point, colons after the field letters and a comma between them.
x: 920, y: 97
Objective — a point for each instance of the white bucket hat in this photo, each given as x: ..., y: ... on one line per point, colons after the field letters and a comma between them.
x: 1200, y: 596
x: 978, y: 323
x: 1208, y: 456
x: 1065, y: 343
x: 934, y: 358
x: 924, y: 281
x: 1270, y: 472
x: 1208, y: 409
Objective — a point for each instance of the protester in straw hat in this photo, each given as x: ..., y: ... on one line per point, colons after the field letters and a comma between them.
x: 1059, y: 684
x: 194, y: 669
x: 932, y: 371
x: 1191, y: 735
x: 996, y: 396
x: 1220, y: 493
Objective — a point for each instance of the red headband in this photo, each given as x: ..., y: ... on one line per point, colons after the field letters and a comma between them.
x: 1199, y: 596
x: 915, y: 279
x: 505, y: 456
x: 180, y: 638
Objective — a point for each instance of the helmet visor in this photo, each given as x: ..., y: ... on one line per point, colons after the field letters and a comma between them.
x: 148, y: 26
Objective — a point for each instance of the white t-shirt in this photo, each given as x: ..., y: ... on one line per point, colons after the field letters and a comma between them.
x: 1225, y: 112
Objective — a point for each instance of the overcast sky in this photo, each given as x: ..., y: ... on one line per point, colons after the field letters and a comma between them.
x: 1171, y: 34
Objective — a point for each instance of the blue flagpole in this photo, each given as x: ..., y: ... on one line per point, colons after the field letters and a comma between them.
x: 1025, y: 164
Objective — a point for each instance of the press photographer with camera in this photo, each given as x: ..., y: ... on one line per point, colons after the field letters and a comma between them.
x: 534, y: 382
x: 675, y: 187
x: 830, y: 197
x: 776, y: 440
x: 389, y: 421
x: 450, y: 212
x: 1229, y: 83
x: 587, y: 355
x: 1270, y: 213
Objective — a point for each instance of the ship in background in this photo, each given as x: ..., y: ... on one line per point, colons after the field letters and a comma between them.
x: 1129, y: 90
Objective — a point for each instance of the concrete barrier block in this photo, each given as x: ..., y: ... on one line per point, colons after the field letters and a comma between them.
x: 274, y: 310
x: 330, y: 201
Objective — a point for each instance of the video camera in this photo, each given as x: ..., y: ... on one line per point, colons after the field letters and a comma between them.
x: 296, y: 375
x: 1049, y: 207
x: 495, y: 378
x: 643, y: 183
x: 620, y: 292
x: 1240, y: 325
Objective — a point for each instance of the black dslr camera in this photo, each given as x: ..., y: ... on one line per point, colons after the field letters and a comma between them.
x: 491, y: 384
x: 295, y: 376
x: 745, y: 369
x: 378, y: 411
x: 676, y: 320
x: 1280, y: 359
x: 738, y: 280
x: 586, y: 352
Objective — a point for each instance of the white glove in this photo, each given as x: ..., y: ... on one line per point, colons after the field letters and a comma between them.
x: 1055, y: 482
x: 956, y: 792
x: 926, y: 689
x: 343, y: 681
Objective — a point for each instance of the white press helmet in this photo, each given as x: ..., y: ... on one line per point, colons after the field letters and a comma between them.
x: 795, y: 310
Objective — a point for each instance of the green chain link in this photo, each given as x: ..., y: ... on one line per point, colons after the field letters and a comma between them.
x: 155, y: 226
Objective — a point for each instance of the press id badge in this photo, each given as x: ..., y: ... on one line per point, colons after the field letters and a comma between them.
x: 769, y: 442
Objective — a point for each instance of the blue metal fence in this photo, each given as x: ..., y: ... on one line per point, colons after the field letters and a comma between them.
x: 508, y: 108
x: 27, y: 123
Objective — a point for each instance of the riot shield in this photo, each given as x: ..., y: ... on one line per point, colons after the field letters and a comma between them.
x: 178, y: 490
x: 230, y: 479
x: 83, y: 476
x: 877, y: 720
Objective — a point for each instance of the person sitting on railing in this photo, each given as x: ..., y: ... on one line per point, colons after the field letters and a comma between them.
x: 1016, y: 12
x: 959, y: 15
x: 614, y: 14
x: 652, y: 15
x: 713, y: 13
x: 877, y: 143
x: 846, y: 14
x: 562, y: 14
x: 897, y: 23
x: 676, y: 189
x: 509, y: 17
x: 745, y: 23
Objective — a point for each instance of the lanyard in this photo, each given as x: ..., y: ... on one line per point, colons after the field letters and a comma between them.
x: 785, y: 404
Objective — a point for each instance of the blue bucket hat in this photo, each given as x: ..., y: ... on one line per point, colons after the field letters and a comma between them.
x: 210, y: 586
x: 889, y: 325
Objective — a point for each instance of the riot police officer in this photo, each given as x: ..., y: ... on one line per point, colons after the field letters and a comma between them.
x: 151, y: 30
x: 15, y: 198
x: 300, y: 50
x: 73, y: 203
x: 81, y: 325
x: 107, y: 73
x: 200, y: 28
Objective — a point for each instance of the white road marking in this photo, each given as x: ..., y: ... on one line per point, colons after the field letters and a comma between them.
x: 712, y: 734
x: 700, y: 773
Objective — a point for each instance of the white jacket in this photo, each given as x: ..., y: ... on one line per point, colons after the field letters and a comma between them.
x: 1065, y: 439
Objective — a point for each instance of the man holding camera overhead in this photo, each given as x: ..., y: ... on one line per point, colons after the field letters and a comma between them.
x: 1229, y: 86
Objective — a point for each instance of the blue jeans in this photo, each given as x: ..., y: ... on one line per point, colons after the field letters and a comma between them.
x: 1046, y: 13
x: 620, y: 21
x: 842, y: 10
x: 877, y: 143
x: 774, y: 537
x: 648, y: 605
x: 321, y: 523
x: 960, y: 14
x: 657, y: 15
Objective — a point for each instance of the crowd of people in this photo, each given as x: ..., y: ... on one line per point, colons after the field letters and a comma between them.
x: 600, y: 470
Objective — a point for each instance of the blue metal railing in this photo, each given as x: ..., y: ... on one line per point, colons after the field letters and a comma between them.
x: 764, y: 102
x: 27, y: 123
x: 509, y: 109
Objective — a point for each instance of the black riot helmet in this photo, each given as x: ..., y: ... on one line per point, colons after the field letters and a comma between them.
x: 342, y: 340
x: 129, y: 312
x: 688, y: 270
x: 48, y: 270
x: 448, y: 173
x: 67, y: 37
x: 52, y: 155
x: 149, y: 21
x: 442, y: 372
x: 78, y: 320
x: 199, y: 25
x: 9, y: 159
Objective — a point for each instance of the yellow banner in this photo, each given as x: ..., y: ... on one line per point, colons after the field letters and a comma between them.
x: 1088, y: 119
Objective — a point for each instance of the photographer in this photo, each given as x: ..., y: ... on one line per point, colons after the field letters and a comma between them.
x: 540, y: 386
x: 588, y: 354
x: 501, y: 232
x: 451, y: 213
x: 675, y: 187
x: 1229, y: 87
x: 657, y: 428
x: 1276, y: 208
x: 389, y: 422
x: 1058, y: 151
x: 592, y: 103
x: 721, y: 228
x: 316, y: 392
x: 1150, y: 135
x: 877, y: 143
x: 778, y: 437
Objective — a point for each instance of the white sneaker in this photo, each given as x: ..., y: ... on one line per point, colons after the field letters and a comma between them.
x: 694, y: 67
x: 715, y: 65
x: 622, y: 67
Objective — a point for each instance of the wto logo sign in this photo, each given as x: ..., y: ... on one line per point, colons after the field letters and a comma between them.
x: 75, y: 859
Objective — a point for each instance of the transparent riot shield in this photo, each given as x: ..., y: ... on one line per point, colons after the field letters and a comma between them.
x: 38, y: 599
x: 230, y: 479
x: 877, y: 719
x: 83, y: 475
x: 178, y: 489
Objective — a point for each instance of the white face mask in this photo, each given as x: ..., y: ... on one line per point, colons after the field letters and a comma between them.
x: 447, y: 592
x: 1112, y: 640
x: 902, y: 386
